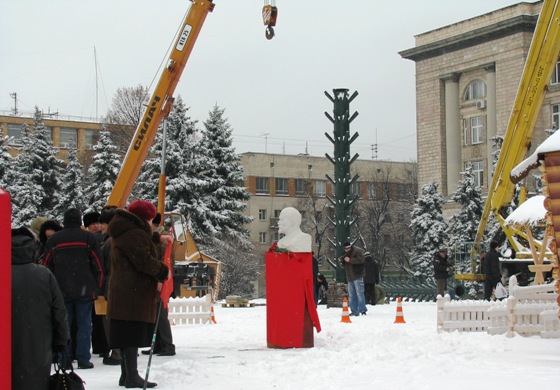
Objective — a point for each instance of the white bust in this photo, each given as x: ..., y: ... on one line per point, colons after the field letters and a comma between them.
x: 294, y: 239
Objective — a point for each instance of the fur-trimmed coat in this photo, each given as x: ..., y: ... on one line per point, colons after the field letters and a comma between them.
x: 135, y: 269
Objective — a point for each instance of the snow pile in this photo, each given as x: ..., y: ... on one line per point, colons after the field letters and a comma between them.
x: 551, y: 144
x: 531, y: 212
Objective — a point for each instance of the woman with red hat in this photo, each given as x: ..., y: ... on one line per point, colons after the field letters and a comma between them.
x: 135, y: 273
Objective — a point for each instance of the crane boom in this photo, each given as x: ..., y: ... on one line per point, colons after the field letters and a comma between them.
x: 539, y: 66
x: 160, y: 102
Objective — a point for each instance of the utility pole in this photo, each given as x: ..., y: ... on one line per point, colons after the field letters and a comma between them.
x: 15, y: 109
x: 343, y: 199
x: 265, y: 135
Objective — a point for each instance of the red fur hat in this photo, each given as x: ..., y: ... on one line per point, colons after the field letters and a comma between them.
x: 143, y: 209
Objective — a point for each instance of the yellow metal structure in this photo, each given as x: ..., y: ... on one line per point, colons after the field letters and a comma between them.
x: 539, y: 66
x: 159, y: 105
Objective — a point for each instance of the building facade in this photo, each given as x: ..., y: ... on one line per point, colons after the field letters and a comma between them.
x: 467, y: 77
x: 64, y: 133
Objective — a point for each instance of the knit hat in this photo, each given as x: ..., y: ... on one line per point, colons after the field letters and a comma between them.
x: 347, y: 244
x: 143, y: 209
x: 72, y: 218
x: 90, y: 218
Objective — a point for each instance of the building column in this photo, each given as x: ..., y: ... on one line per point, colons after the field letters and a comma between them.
x: 452, y: 134
x: 491, y: 126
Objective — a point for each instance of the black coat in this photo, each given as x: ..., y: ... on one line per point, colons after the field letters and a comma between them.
x: 74, y: 257
x: 441, y: 264
x: 372, y: 270
x: 492, y: 266
x: 38, y: 318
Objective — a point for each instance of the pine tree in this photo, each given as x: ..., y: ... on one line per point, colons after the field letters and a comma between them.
x: 429, y: 230
x: 72, y: 184
x: 5, y: 160
x: 225, y: 197
x: 464, y: 225
x: 35, y: 188
x: 102, y: 173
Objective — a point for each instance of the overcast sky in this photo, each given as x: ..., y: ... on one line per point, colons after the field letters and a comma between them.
x: 273, y: 91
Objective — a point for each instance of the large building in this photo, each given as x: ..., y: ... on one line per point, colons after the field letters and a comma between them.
x: 467, y: 77
x: 64, y: 132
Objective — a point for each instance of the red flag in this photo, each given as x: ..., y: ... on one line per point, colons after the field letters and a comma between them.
x: 167, y: 286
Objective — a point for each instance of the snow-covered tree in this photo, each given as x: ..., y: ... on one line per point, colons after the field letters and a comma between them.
x: 5, y: 160
x: 225, y: 197
x: 239, y: 266
x: 464, y: 224
x: 71, y: 184
x: 35, y: 183
x: 102, y: 173
x: 429, y: 230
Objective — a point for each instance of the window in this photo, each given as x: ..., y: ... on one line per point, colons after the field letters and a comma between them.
x: 301, y: 187
x: 263, y: 186
x: 281, y: 186
x: 262, y: 214
x: 91, y: 138
x: 475, y: 90
x: 387, y: 191
x: 556, y: 74
x: 356, y: 188
x: 556, y: 116
x: 277, y: 213
x: 372, y: 191
x: 320, y: 188
x: 262, y: 237
x: 401, y: 191
x: 276, y: 236
x: 68, y: 137
x: 15, y: 132
x: 478, y: 172
x: 477, y: 125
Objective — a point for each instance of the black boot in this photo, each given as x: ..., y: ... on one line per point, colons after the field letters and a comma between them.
x: 133, y: 380
x: 122, y: 379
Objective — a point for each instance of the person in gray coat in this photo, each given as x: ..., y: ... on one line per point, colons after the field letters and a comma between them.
x: 39, y: 325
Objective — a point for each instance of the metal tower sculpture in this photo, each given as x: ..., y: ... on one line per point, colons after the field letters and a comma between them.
x: 342, y: 183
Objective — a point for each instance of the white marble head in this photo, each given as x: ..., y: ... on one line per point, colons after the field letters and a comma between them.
x: 289, y: 220
x: 294, y: 239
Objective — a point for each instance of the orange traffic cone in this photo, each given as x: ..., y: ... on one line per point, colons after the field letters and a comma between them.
x: 345, y: 313
x: 400, y: 317
x: 212, y: 312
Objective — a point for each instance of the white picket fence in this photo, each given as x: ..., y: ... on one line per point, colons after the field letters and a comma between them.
x: 188, y: 311
x: 528, y: 311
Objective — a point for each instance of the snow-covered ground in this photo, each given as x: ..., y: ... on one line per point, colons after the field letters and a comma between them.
x: 370, y: 353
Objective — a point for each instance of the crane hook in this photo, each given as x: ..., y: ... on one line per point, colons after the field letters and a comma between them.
x: 269, y: 33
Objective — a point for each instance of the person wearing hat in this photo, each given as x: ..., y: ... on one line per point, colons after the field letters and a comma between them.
x: 39, y: 325
x: 91, y: 222
x: 441, y: 270
x: 132, y: 294
x: 353, y: 262
x: 74, y: 257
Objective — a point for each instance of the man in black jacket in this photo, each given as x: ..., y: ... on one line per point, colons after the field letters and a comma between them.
x: 39, y: 324
x: 371, y: 278
x: 441, y: 270
x: 73, y: 255
x: 491, y: 270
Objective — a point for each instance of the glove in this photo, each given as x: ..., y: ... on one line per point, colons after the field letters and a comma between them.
x: 59, y: 348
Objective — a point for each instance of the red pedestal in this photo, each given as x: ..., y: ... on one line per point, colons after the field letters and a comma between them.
x: 5, y: 290
x: 290, y: 305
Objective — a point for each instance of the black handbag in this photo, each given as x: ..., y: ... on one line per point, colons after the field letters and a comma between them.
x: 65, y: 380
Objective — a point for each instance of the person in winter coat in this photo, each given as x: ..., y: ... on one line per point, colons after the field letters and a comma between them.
x: 491, y: 270
x: 441, y: 270
x: 47, y: 229
x: 39, y: 324
x: 135, y: 272
x: 74, y: 257
x: 353, y: 262
x: 371, y: 277
x: 321, y: 286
